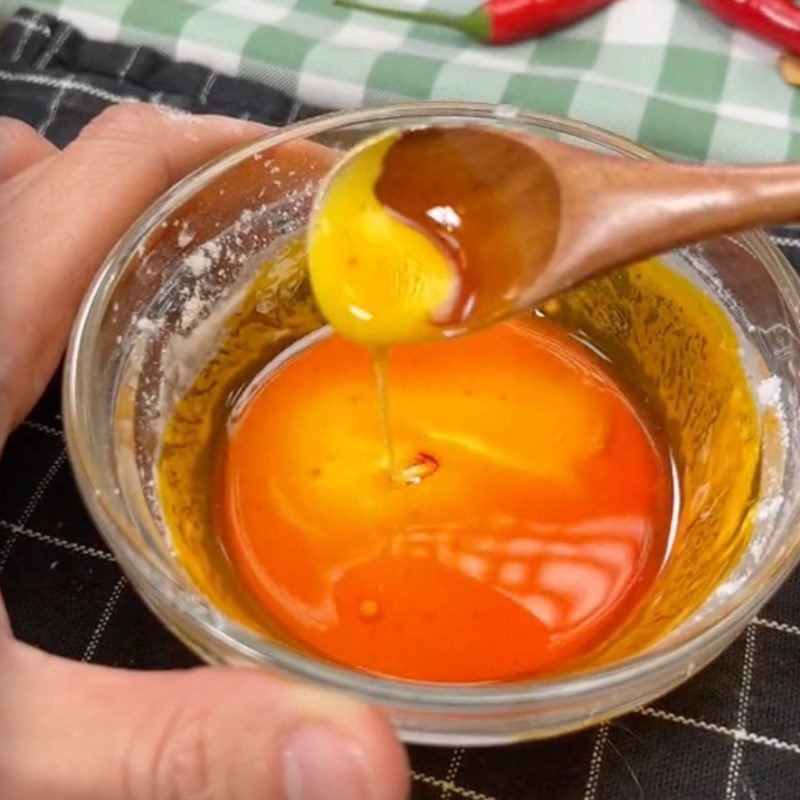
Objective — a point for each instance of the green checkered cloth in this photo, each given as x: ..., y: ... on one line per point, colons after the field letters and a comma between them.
x: 663, y: 72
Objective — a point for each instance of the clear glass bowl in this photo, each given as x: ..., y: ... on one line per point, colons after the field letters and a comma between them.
x: 117, y: 389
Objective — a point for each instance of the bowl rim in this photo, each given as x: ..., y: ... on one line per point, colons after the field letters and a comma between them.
x: 111, y: 518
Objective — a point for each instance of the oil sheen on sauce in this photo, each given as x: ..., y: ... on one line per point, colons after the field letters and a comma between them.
x: 543, y: 517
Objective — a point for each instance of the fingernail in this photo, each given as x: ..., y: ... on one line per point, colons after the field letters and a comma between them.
x: 321, y: 763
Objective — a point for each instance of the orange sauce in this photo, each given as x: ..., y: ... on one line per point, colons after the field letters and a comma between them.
x: 540, y: 517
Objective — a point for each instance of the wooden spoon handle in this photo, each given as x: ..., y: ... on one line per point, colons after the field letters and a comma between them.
x: 615, y: 211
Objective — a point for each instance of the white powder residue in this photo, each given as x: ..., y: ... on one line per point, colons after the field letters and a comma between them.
x: 185, y: 355
x: 145, y: 325
x: 204, y: 258
x: 192, y: 309
x: 185, y: 237
x: 769, y: 392
x: 198, y: 262
x: 209, y: 284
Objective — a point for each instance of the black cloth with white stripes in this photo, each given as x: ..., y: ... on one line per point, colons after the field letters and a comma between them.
x: 733, y: 732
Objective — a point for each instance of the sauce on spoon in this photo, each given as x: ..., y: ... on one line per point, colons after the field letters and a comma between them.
x: 431, y: 232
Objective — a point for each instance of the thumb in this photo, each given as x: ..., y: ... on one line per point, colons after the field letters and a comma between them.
x: 70, y: 731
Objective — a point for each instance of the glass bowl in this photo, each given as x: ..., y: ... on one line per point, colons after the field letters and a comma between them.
x: 119, y: 385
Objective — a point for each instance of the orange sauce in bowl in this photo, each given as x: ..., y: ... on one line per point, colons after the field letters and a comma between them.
x: 540, y: 515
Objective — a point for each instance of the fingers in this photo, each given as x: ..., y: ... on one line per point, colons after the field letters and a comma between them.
x: 20, y: 147
x: 56, y: 231
x: 73, y: 732
x: 131, y: 154
x: 154, y: 145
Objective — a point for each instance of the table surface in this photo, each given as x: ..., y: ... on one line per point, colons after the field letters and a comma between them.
x: 666, y: 73
x: 732, y: 732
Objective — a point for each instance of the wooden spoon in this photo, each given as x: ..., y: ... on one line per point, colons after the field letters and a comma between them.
x: 615, y: 211
x: 518, y: 219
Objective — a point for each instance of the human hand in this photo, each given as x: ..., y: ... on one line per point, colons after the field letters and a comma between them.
x: 72, y: 731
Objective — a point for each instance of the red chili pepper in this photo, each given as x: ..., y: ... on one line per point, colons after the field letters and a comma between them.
x: 777, y: 21
x: 496, y: 21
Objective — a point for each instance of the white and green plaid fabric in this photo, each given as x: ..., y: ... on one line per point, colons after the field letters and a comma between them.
x: 663, y: 72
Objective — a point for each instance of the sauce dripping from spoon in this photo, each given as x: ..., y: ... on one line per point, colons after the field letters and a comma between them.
x: 425, y: 234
